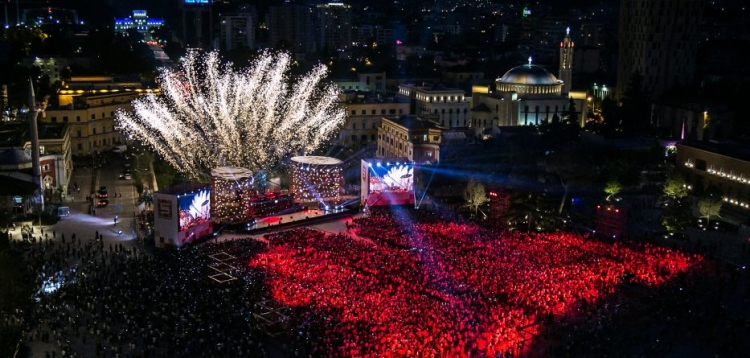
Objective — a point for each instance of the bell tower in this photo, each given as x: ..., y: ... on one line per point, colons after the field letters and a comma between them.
x: 566, y: 62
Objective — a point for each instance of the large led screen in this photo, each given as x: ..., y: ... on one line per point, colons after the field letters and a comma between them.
x: 389, y: 183
x: 385, y: 177
x: 195, y: 215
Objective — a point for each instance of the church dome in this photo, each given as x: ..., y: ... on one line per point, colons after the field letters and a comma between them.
x: 529, y: 75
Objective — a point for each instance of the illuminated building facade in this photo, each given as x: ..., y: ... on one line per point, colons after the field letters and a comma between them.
x: 449, y: 105
x: 365, y: 111
x: 56, y: 165
x: 722, y: 165
x: 139, y: 21
x: 527, y: 95
x: 334, y: 26
x: 416, y: 138
x: 91, y: 118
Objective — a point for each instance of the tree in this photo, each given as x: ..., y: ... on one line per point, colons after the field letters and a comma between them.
x: 572, y: 113
x: 675, y: 187
x: 475, y: 195
x: 612, y: 188
x: 677, y: 216
x: 610, y: 114
x: 710, y: 204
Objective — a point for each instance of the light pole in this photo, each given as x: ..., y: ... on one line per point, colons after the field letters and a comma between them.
x: 138, y: 161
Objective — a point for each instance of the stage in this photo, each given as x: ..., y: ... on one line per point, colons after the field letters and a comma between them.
x: 274, y: 222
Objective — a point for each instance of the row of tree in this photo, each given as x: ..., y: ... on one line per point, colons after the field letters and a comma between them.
x: 678, y: 210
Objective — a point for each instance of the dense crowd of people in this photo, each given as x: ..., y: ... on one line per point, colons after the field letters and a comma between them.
x: 395, y: 284
x: 424, y: 286
x: 109, y: 301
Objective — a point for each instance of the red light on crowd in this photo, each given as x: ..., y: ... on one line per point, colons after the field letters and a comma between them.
x: 326, y: 292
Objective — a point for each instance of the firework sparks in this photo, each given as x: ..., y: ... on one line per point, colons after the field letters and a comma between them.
x: 210, y: 115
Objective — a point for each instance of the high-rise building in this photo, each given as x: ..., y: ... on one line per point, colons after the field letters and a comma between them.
x: 197, y: 23
x: 566, y: 62
x: 658, y: 40
x: 291, y: 25
x: 237, y: 31
x: 335, y: 26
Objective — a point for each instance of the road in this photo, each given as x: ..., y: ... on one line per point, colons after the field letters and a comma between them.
x: 122, y: 198
x: 122, y: 194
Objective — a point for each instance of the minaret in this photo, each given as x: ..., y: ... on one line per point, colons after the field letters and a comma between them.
x: 566, y: 62
x: 36, y: 166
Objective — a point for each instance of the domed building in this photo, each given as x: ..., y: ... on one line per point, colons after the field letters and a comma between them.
x: 526, y: 95
x: 529, y: 79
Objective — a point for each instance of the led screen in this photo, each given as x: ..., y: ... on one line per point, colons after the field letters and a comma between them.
x: 196, y: 2
x: 195, y: 209
x: 391, y: 177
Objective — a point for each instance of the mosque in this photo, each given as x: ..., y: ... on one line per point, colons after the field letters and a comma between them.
x: 527, y: 95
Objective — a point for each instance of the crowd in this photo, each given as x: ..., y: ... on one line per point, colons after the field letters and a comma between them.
x: 395, y: 284
x: 99, y: 300
x: 424, y: 286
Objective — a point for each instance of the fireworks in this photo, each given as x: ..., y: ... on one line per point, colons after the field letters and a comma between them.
x: 211, y: 115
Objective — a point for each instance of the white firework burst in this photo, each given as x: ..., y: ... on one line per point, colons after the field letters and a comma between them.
x: 400, y: 176
x: 201, y: 205
x: 210, y: 115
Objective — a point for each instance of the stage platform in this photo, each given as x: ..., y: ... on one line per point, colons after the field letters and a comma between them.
x: 276, y: 222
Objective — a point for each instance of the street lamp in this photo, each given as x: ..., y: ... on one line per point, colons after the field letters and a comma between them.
x: 592, y: 104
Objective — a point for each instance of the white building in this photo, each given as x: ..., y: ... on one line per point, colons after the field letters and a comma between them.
x: 365, y: 111
x: 139, y: 21
x: 528, y: 95
x: 450, y: 105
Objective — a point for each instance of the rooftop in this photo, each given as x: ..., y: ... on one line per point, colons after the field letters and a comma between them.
x: 16, y: 133
x: 362, y: 97
x: 434, y: 88
x: 316, y: 160
x: 414, y: 122
x: 529, y: 75
x: 727, y: 149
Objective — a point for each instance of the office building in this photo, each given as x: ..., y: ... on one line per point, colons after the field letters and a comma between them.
x: 291, y: 26
x: 237, y: 31
x: 334, y: 26
x: 659, y: 41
